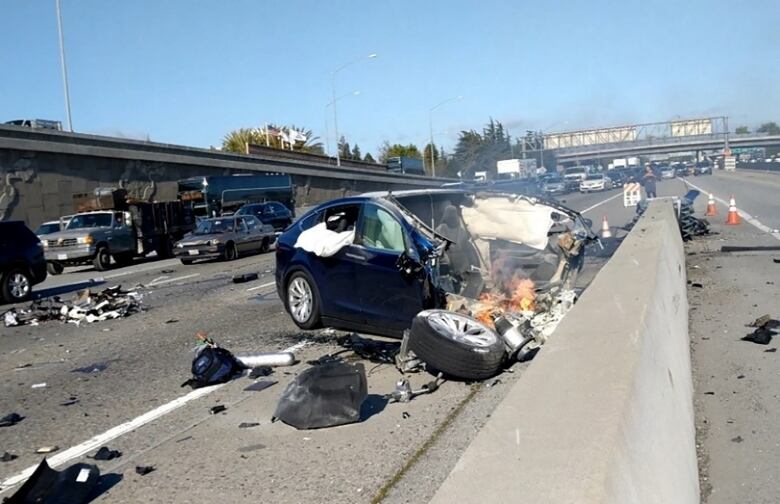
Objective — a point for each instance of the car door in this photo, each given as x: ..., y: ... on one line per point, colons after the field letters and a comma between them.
x: 256, y: 232
x: 243, y: 238
x: 336, y: 276
x: 389, y: 299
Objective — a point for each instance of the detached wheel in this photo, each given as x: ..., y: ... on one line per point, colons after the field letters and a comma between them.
x: 230, y: 252
x: 303, y: 301
x: 54, y: 268
x: 17, y: 286
x: 102, y: 260
x: 456, y: 345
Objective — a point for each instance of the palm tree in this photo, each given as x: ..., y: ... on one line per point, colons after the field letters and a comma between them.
x: 239, y: 140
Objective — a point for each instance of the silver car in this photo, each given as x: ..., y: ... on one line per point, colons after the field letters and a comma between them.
x: 225, y: 238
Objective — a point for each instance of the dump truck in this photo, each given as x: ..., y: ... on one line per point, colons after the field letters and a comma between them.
x: 108, y: 225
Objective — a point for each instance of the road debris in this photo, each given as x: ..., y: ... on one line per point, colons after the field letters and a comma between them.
x: 47, y: 449
x: 259, y: 386
x: 11, y: 419
x: 260, y: 371
x: 323, y: 396
x: 97, y: 367
x: 248, y: 425
x: 8, y: 457
x: 73, y: 485
x: 70, y: 402
x: 275, y: 359
x: 765, y: 330
x: 211, y: 364
x: 86, y: 306
x: 737, y: 439
x: 246, y: 277
x: 219, y: 408
x: 403, y: 392
x: 750, y: 248
x: 105, y: 453
x: 144, y: 470
x: 38, y: 385
x: 690, y: 226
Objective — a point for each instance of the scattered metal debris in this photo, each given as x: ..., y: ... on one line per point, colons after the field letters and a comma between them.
x: 105, y: 453
x: 97, y: 367
x: 11, y: 419
x: 246, y: 277
x: 8, y: 457
x: 248, y: 425
x: 254, y: 360
x: 737, y: 439
x: 765, y: 330
x: 38, y: 385
x: 260, y: 385
x: 260, y: 371
x: 47, y: 449
x: 403, y: 392
x: 219, y: 408
x: 144, y: 470
x: 750, y: 248
x: 70, y: 402
x: 110, y: 303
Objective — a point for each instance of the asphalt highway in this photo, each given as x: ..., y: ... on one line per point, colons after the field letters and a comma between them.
x: 136, y: 404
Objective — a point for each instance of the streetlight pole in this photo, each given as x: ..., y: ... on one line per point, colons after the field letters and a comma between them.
x: 335, y: 107
x: 327, y: 134
x: 63, y: 66
x: 430, y: 126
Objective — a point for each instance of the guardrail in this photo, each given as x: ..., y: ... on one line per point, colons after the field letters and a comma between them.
x: 604, y: 413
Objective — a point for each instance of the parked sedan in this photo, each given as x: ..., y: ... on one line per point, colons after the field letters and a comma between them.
x: 271, y: 212
x: 595, y: 182
x: 371, y: 263
x: 224, y: 238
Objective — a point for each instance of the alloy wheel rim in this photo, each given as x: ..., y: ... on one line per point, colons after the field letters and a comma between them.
x: 19, y: 285
x: 462, y: 329
x: 300, y: 300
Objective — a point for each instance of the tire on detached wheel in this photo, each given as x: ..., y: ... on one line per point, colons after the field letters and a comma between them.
x: 457, y: 345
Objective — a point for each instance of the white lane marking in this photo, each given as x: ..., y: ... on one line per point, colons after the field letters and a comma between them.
x: 175, y: 279
x: 159, y: 278
x: 122, y: 429
x: 261, y: 286
x: 748, y: 218
x: 106, y: 277
x: 601, y: 203
x: 140, y: 270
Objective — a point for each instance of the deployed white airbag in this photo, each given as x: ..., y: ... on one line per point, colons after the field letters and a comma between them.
x: 514, y: 220
x: 323, y: 242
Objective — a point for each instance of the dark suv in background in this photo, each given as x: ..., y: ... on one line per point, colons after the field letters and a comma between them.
x: 22, y: 264
x: 272, y: 213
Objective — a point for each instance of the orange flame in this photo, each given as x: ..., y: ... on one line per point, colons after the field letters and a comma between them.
x: 522, y: 297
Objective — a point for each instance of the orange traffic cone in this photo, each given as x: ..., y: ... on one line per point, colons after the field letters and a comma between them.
x: 605, y: 232
x: 711, y: 209
x: 733, y: 217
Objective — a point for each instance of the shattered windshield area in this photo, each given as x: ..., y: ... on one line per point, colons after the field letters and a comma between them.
x: 90, y: 221
x: 214, y: 226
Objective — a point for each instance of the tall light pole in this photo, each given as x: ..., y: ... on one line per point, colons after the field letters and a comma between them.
x: 335, y: 108
x: 430, y: 126
x: 327, y: 133
x: 63, y: 66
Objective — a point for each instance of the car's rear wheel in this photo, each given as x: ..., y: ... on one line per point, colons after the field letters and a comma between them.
x: 54, y: 268
x: 102, y: 260
x: 16, y: 286
x: 457, y: 345
x: 303, y: 301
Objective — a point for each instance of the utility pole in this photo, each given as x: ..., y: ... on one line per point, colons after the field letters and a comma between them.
x: 63, y: 66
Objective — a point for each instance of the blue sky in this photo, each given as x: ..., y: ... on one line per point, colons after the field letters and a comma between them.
x: 186, y: 72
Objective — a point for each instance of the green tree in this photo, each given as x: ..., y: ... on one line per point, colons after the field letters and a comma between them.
x: 369, y: 158
x: 344, y: 151
x: 770, y: 127
x: 387, y: 151
x: 742, y: 130
x: 480, y: 151
x: 356, y: 153
x: 237, y: 140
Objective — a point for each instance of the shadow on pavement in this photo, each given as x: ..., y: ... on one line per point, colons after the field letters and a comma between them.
x: 65, y: 289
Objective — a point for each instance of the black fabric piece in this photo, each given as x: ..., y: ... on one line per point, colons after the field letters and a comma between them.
x: 144, y: 470
x: 7, y: 457
x: 219, y: 408
x: 104, y: 453
x: 324, y: 396
x: 260, y: 371
x: 72, y: 485
x: 246, y: 277
x: 11, y: 419
x: 212, y: 365
x: 761, y: 336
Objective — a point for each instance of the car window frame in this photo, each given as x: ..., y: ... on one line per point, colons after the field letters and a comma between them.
x: 359, y: 228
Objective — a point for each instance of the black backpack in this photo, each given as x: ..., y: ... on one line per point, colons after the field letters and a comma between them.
x: 212, y: 365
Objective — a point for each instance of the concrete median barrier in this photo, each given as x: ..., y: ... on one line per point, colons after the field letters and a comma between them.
x: 604, y: 414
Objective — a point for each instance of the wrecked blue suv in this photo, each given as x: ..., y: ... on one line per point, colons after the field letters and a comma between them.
x: 370, y: 263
